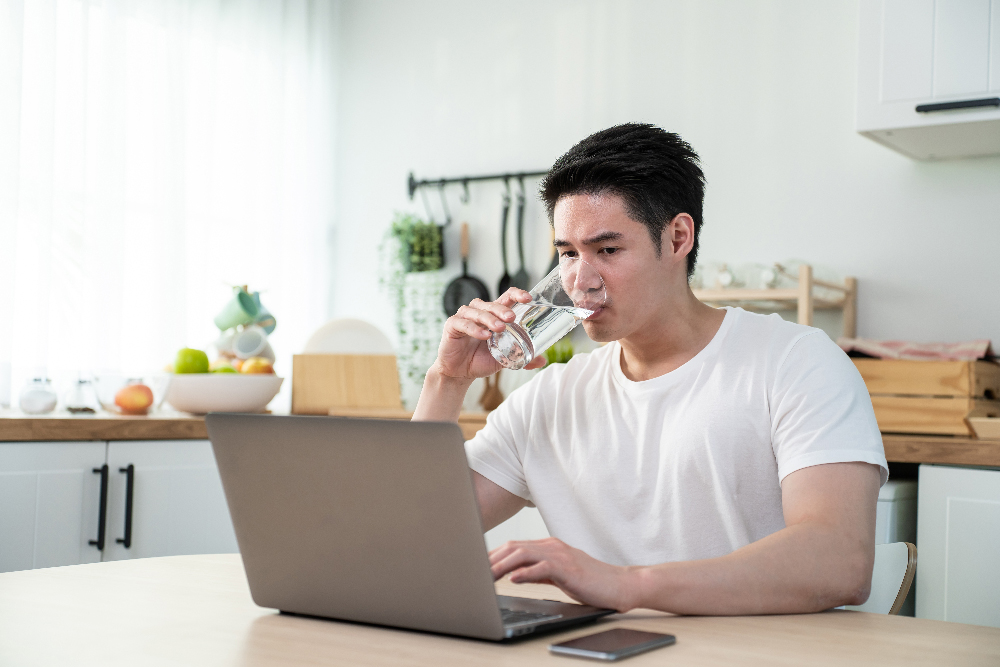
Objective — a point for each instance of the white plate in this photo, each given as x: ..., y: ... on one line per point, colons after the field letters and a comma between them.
x: 348, y: 336
x: 222, y: 392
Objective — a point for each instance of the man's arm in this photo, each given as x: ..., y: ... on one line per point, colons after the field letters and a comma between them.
x: 823, y: 558
x: 462, y: 357
x: 496, y: 504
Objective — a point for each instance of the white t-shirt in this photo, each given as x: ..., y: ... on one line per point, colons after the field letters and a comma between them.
x: 687, y: 465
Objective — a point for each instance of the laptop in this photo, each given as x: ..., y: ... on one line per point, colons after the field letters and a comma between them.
x: 368, y: 520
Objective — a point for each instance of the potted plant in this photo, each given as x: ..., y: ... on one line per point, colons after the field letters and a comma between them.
x: 411, y: 263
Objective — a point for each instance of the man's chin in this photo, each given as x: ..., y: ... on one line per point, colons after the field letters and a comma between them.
x: 598, y: 332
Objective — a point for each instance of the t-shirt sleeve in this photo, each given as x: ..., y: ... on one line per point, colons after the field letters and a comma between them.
x: 497, y: 451
x: 821, y: 411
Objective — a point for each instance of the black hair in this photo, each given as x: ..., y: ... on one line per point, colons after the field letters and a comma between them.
x: 656, y: 173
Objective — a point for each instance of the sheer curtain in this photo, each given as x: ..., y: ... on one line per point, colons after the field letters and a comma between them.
x: 152, y: 154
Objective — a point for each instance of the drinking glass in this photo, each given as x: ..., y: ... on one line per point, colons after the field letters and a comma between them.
x: 571, y: 293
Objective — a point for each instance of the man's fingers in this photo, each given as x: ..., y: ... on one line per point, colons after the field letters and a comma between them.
x: 514, y: 295
x: 509, y: 547
x: 483, y: 318
x: 499, y: 310
x: 514, y: 560
x: 539, y: 573
x: 466, y: 327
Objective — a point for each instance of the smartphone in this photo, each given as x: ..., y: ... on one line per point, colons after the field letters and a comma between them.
x: 613, y: 644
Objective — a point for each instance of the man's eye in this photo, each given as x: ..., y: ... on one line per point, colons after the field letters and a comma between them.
x: 609, y: 251
x: 568, y: 253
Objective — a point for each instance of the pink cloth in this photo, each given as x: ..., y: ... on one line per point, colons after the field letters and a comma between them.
x: 900, y: 349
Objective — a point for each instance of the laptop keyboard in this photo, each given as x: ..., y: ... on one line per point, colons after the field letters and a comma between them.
x: 514, y: 617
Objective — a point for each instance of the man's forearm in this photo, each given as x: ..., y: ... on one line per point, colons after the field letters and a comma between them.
x: 803, y: 568
x: 441, y: 397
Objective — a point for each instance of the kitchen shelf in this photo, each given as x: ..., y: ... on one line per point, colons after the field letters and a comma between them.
x: 801, y: 298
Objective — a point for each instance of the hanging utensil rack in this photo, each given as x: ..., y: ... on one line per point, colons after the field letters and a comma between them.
x: 413, y: 184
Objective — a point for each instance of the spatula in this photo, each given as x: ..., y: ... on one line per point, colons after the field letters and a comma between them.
x: 521, y: 279
x: 505, y: 279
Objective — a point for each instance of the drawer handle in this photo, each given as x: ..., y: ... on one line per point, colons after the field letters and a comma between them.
x: 960, y: 104
x: 129, y: 486
x: 103, y: 511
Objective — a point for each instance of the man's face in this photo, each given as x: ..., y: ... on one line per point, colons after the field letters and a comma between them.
x: 597, y: 229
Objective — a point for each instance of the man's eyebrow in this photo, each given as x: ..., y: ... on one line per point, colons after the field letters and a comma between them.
x: 599, y: 238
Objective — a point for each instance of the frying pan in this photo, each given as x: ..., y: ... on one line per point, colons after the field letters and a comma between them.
x: 465, y: 288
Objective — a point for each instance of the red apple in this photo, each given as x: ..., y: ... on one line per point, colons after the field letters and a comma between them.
x: 134, y: 399
x: 257, y: 365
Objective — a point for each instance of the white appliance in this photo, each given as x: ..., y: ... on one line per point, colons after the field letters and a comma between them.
x: 896, y: 521
x: 896, y: 517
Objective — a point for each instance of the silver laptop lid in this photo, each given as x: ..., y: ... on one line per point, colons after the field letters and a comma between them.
x: 358, y: 519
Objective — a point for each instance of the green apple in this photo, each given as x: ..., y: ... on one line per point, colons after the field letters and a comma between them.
x: 191, y: 361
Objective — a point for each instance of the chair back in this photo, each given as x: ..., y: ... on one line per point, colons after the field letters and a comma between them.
x: 895, y: 565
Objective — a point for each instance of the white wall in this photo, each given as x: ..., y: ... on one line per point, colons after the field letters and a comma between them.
x: 764, y: 90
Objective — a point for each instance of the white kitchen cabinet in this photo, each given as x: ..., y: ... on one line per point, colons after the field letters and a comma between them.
x: 921, y: 53
x: 958, y: 542
x: 178, y: 506
x: 50, y: 500
x: 51, y: 497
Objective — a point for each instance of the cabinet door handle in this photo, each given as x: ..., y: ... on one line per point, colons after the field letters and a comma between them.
x: 960, y: 104
x: 102, y: 518
x: 129, y: 487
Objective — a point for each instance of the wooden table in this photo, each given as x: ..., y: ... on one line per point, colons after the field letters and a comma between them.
x: 196, y: 610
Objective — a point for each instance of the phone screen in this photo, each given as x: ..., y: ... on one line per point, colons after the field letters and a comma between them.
x: 613, y: 644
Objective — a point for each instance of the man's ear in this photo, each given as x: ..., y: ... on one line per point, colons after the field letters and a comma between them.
x: 678, y: 235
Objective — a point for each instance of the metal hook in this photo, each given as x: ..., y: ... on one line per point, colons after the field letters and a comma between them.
x: 506, y: 184
x: 427, y: 205
x: 520, y: 182
x: 444, y: 204
x: 464, y: 198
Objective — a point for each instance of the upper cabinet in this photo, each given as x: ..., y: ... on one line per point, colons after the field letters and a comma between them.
x: 929, y: 76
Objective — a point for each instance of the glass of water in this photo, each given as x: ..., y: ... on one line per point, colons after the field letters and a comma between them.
x: 567, y: 296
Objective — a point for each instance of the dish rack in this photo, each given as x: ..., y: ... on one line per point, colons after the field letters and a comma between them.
x: 800, y: 298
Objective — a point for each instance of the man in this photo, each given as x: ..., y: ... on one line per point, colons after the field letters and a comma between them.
x: 707, y: 461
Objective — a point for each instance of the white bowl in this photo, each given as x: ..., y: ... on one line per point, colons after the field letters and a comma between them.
x: 222, y: 392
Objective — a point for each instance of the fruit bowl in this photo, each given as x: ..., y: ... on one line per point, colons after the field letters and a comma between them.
x: 222, y: 392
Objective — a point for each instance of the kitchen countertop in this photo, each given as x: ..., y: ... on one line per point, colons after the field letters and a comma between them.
x: 951, y: 450
x: 62, y: 426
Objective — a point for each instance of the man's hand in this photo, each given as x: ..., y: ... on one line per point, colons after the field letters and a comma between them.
x: 552, y: 561
x: 463, y: 353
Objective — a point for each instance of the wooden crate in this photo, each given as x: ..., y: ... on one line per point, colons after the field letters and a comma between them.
x: 933, y: 415
x: 929, y: 397
x: 321, y: 382
x: 973, y: 379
